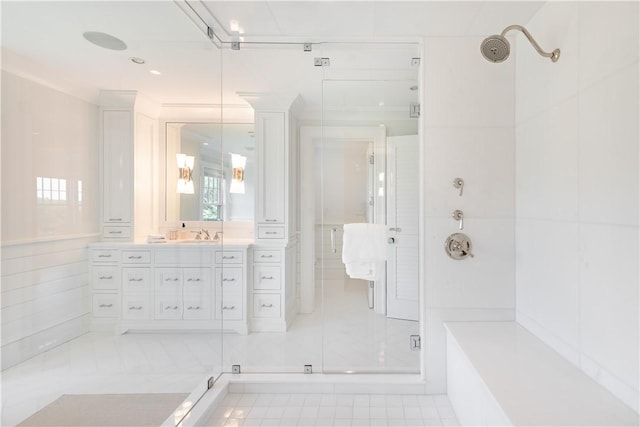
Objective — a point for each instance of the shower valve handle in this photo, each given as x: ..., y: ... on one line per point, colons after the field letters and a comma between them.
x: 458, y: 183
x: 459, y: 216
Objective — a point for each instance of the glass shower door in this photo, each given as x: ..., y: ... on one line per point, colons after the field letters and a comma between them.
x: 367, y: 97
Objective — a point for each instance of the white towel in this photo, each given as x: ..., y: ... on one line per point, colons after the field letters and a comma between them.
x: 364, y: 250
x: 156, y: 238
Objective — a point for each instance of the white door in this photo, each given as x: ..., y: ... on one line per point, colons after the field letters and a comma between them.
x: 403, y: 264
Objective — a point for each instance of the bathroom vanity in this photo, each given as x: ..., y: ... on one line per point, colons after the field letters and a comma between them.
x: 238, y: 284
x: 185, y: 285
x: 191, y: 285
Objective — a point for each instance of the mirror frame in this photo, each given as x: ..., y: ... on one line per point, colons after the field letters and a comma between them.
x: 189, y: 114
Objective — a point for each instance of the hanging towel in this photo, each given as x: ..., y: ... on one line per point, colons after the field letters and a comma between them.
x: 364, y: 250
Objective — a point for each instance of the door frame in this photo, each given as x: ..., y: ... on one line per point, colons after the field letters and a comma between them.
x: 309, y: 134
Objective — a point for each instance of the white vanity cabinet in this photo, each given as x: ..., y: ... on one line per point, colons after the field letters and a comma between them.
x: 276, y: 154
x: 168, y: 287
x: 136, y: 284
x: 273, y: 290
x: 271, y: 144
x: 117, y: 160
x: 230, y: 285
x: 127, y: 135
x: 182, y: 293
x: 105, y: 286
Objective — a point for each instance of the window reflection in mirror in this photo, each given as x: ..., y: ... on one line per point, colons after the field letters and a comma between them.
x: 222, y: 190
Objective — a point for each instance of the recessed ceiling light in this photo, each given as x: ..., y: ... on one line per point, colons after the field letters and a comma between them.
x: 155, y: 72
x: 104, y: 40
x: 137, y: 60
x: 381, y: 104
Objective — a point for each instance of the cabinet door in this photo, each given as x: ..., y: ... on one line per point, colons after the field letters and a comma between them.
x: 136, y: 280
x: 117, y: 166
x: 266, y: 277
x: 169, y: 280
x: 270, y: 189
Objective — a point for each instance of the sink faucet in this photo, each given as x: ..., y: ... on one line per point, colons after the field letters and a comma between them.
x: 203, y: 234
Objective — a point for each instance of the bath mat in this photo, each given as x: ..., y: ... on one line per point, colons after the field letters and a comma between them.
x: 92, y: 410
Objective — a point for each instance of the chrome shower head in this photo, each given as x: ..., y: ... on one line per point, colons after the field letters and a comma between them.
x: 496, y: 48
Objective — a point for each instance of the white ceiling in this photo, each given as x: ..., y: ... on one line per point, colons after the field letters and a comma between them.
x: 43, y: 40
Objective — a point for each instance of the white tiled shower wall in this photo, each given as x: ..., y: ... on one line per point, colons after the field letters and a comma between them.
x: 468, y: 128
x: 577, y: 188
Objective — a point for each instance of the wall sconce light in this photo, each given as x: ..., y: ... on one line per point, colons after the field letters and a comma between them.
x: 185, y: 169
x: 238, y: 164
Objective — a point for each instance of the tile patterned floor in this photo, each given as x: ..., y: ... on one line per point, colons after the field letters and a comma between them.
x: 251, y: 409
x: 351, y: 337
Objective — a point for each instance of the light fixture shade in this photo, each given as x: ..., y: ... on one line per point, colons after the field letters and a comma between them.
x: 185, y: 187
x: 237, y: 187
x: 185, y: 168
x: 238, y: 161
x: 238, y: 164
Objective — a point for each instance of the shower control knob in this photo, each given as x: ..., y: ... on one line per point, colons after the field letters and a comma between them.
x: 459, y: 216
x: 458, y: 246
x: 458, y: 183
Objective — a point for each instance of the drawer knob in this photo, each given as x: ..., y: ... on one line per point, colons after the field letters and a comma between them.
x: 193, y: 308
x: 135, y: 307
x: 135, y: 256
x: 106, y: 277
x: 171, y: 279
x: 106, y: 305
x: 270, y: 220
x: 104, y: 256
x: 233, y: 307
x: 116, y: 232
x: 270, y: 232
x: 115, y: 219
x: 267, y: 305
x: 228, y: 280
x: 175, y: 307
x: 266, y: 256
x: 266, y: 278
x: 229, y: 257
x: 139, y: 279
x: 193, y: 280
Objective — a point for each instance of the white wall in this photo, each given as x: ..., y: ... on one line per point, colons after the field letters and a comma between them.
x: 468, y: 133
x: 45, y: 133
x: 577, y: 188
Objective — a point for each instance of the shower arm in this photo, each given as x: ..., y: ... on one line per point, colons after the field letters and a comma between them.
x: 553, y: 55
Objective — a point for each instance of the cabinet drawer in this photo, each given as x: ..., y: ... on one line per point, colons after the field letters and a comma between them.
x: 105, y: 305
x: 229, y: 279
x: 136, y: 257
x: 105, y: 278
x: 168, y: 307
x: 231, y: 308
x: 229, y: 257
x: 270, y: 232
x: 105, y: 255
x: 261, y: 255
x: 184, y: 255
x: 195, y: 280
x: 135, y: 307
x: 136, y: 279
x: 266, y: 305
x: 266, y: 277
x: 195, y: 308
x: 116, y: 231
x: 168, y: 280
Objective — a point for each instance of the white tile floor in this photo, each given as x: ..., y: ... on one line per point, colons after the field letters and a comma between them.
x: 352, y: 337
x: 333, y: 410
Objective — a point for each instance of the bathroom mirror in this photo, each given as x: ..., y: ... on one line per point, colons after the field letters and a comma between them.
x: 215, y: 178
